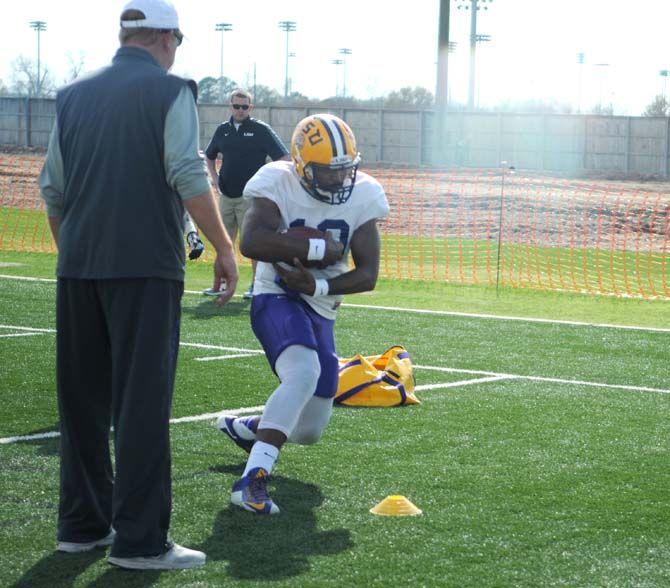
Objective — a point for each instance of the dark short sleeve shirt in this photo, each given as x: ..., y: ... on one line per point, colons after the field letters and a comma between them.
x: 244, y: 152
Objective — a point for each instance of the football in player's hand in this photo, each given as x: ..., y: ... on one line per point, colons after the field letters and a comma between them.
x: 306, y: 233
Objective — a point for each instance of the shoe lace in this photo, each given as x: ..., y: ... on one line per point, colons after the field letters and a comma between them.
x: 258, y: 489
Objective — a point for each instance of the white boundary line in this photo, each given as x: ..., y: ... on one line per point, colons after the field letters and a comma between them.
x: 440, y: 312
x: 189, y: 419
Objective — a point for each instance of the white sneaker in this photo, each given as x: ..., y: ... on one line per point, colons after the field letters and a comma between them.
x: 177, y: 558
x: 72, y: 547
x: 249, y: 294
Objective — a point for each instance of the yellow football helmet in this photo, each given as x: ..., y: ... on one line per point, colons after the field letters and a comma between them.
x: 323, y: 148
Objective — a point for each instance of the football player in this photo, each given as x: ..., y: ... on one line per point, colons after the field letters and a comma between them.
x: 299, y: 285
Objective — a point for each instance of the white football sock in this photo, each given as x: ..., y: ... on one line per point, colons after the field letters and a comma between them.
x: 263, y: 455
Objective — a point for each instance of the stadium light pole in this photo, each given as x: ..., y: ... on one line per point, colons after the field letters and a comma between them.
x: 288, y: 26
x: 222, y: 27
x: 481, y: 39
x: 290, y: 80
x: 473, y: 6
x: 664, y: 73
x: 581, y: 58
x: 444, y: 47
x: 337, y: 63
x: 254, y: 94
x: 38, y: 26
x: 344, y: 52
x: 602, y: 67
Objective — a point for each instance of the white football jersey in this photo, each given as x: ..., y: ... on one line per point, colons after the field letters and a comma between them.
x: 279, y: 182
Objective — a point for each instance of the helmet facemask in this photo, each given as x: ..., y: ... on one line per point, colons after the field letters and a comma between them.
x: 333, y: 183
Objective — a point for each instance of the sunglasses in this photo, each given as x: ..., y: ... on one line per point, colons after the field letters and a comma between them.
x: 242, y: 106
x: 177, y: 34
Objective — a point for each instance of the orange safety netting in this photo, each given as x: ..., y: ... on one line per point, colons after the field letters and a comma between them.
x: 468, y: 226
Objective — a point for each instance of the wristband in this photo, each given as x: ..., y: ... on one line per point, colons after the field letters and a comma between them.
x: 321, y: 287
x: 317, y: 249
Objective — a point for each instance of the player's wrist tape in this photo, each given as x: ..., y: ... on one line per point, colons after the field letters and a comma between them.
x: 317, y: 249
x: 321, y: 287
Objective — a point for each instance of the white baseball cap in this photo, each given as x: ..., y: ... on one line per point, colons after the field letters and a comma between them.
x: 158, y: 14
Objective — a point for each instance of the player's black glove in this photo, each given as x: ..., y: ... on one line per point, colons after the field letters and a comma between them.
x: 196, y: 245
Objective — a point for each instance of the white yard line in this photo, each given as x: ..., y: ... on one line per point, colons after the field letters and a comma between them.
x: 543, y: 379
x: 424, y: 387
x: 509, y: 318
x: 27, y: 278
x: 220, y: 347
x: 20, y: 335
x: 218, y: 357
x: 38, y: 437
x: 440, y: 312
x: 31, y: 329
x: 188, y: 419
x: 214, y: 415
x: 242, y: 352
x: 489, y: 377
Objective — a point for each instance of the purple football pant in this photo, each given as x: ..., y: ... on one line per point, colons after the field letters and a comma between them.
x: 279, y: 321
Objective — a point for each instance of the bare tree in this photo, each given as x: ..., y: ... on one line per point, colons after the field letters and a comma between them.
x: 408, y: 97
x: 24, y: 78
x: 658, y: 107
x: 209, y: 89
x: 75, y: 66
x: 603, y: 109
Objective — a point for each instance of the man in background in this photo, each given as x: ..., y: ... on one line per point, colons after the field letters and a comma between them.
x: 122, y: 165
x: 245, y: 144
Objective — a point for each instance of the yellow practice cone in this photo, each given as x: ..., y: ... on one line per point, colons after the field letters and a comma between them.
x: 395, y: 506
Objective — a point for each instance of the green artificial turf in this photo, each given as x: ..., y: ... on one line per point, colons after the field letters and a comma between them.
x: 555, y: 474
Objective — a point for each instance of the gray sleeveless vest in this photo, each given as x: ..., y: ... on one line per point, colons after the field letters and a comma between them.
x: 120, y: 217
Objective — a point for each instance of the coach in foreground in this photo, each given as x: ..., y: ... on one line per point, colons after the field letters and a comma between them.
x: 301, y: 277
x: 122, y: 164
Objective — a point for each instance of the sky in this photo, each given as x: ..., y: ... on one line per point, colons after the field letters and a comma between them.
x: 532, y: 54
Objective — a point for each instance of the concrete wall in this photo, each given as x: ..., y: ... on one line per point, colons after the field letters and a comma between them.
x: 562, y: 143
x: 25, y: 122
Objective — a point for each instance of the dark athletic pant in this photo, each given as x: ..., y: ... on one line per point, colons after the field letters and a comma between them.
x: 117, y: 344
